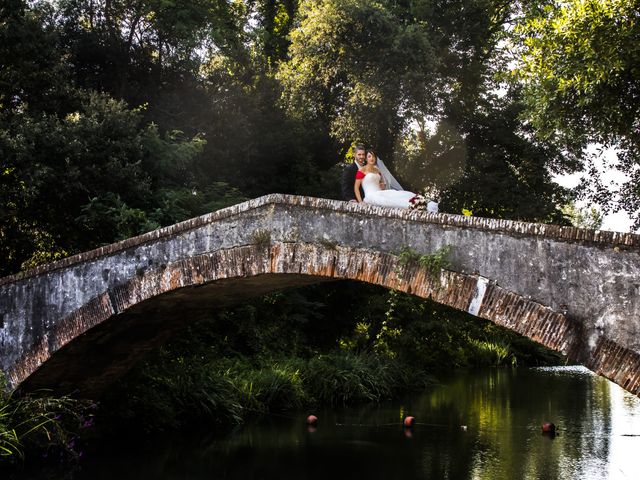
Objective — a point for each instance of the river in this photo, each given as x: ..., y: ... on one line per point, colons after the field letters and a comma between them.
x: 477, y: 425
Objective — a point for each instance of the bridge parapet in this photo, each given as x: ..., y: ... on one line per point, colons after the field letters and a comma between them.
x: 571, y: 289
x: 604, y: 238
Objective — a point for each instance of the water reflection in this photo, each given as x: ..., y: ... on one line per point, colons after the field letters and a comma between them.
x: 478, y: 425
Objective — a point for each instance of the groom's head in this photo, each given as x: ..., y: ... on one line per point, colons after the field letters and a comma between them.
x: 360, y: 154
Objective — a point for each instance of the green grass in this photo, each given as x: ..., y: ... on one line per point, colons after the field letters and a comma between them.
x: 188, y: 393
x: 43, y: 424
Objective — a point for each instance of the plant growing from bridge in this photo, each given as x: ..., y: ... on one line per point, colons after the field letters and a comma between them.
x: 432, y: 262
x: 261, y: 238
x: 328, y: 244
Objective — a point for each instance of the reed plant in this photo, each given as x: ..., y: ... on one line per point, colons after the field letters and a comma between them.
x: 43, y: 424
x: 495, y: 353
x: 275, y: 386
x: 189, y: 392
x: 343, y: 378
x: 9, y: 441
x: 171, y: 394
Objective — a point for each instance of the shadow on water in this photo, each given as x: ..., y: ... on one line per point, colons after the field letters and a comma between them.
x: 478, y: 425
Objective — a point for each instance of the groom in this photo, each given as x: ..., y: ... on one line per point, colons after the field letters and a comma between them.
x: 349, y: 174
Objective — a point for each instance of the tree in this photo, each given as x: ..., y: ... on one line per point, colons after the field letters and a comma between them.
x: 33, y: 72
x: 579, y: 64
x: 490, y: 164
x: 590, y: 218
x: 92, y: 177
x: 58, y: 165
x: 276, y: 19
x: 114, y: 42
x: 359, y: 68
x: 382, y: 71
x: 79, y: 168
x: 34, y: 80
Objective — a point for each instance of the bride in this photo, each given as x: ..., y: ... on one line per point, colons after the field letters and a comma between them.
x: 371, y: 179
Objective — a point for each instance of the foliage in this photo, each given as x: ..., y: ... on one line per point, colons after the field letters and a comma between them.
x: 9, y: 442
x: 274, y: 387
x: 436, y: 261
x: 432, y: 262
x: 433, y: 337
x: 184, y: 392
x: 590, y: 218
x: 494, y: 353
x: 343, y: 378
x: 261, y: 238
x: 46, y: 425
x: 33, y: 72
x: 181, y: 393
x: 578, y: 62
x: 203, y: 104
x: 139, y: 43
x: 353, y: 65
x: 87, y: 179
x: 488, y: 162
x: 322, y: 345
x: 120, y: 117
x: 368, y: 70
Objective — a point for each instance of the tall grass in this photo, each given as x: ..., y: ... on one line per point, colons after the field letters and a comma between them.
x: 274, y: 386
x: 42, y: 424
x: 191, y: 393
x: 9, y: 442
x: 493, y: 353
x: 343, y: 378
x: 172, y: 394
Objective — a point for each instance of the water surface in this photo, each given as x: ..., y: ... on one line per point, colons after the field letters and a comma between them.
x: 477, y: 425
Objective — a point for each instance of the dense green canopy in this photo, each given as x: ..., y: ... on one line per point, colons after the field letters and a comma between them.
x: 119, y: 117
x: 579, y: 63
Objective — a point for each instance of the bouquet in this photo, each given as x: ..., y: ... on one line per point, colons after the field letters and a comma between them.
x: 426, y: 201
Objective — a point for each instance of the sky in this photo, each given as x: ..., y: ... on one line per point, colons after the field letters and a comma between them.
x: 606, y: 163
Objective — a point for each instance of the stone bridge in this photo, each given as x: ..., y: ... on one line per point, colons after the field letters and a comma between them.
x: 78, y: 324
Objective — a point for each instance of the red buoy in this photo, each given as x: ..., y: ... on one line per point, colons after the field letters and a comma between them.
x: 312, y: 420
x: 409, y: 421
x: 548, y: 427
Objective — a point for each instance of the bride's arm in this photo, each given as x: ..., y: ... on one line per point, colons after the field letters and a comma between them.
x: 381, y: 183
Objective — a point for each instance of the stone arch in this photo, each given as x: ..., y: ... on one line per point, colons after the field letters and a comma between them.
x: 572, y: 289
x: 88, y: 351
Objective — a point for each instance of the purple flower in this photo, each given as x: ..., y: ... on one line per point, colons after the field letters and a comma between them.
x: 88, y: 423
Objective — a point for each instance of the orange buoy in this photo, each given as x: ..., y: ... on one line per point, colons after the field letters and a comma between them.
x: 312, y: 420
x: 409, y: 421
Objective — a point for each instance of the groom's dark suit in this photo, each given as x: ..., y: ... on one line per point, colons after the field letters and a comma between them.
x: 348, y: 181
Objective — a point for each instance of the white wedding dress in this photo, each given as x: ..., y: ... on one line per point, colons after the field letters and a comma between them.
x: 374, y: 195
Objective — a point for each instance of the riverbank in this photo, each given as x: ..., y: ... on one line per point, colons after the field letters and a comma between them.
x: 330, y: 345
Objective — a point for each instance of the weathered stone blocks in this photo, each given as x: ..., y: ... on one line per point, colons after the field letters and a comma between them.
x: 80, y: 323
